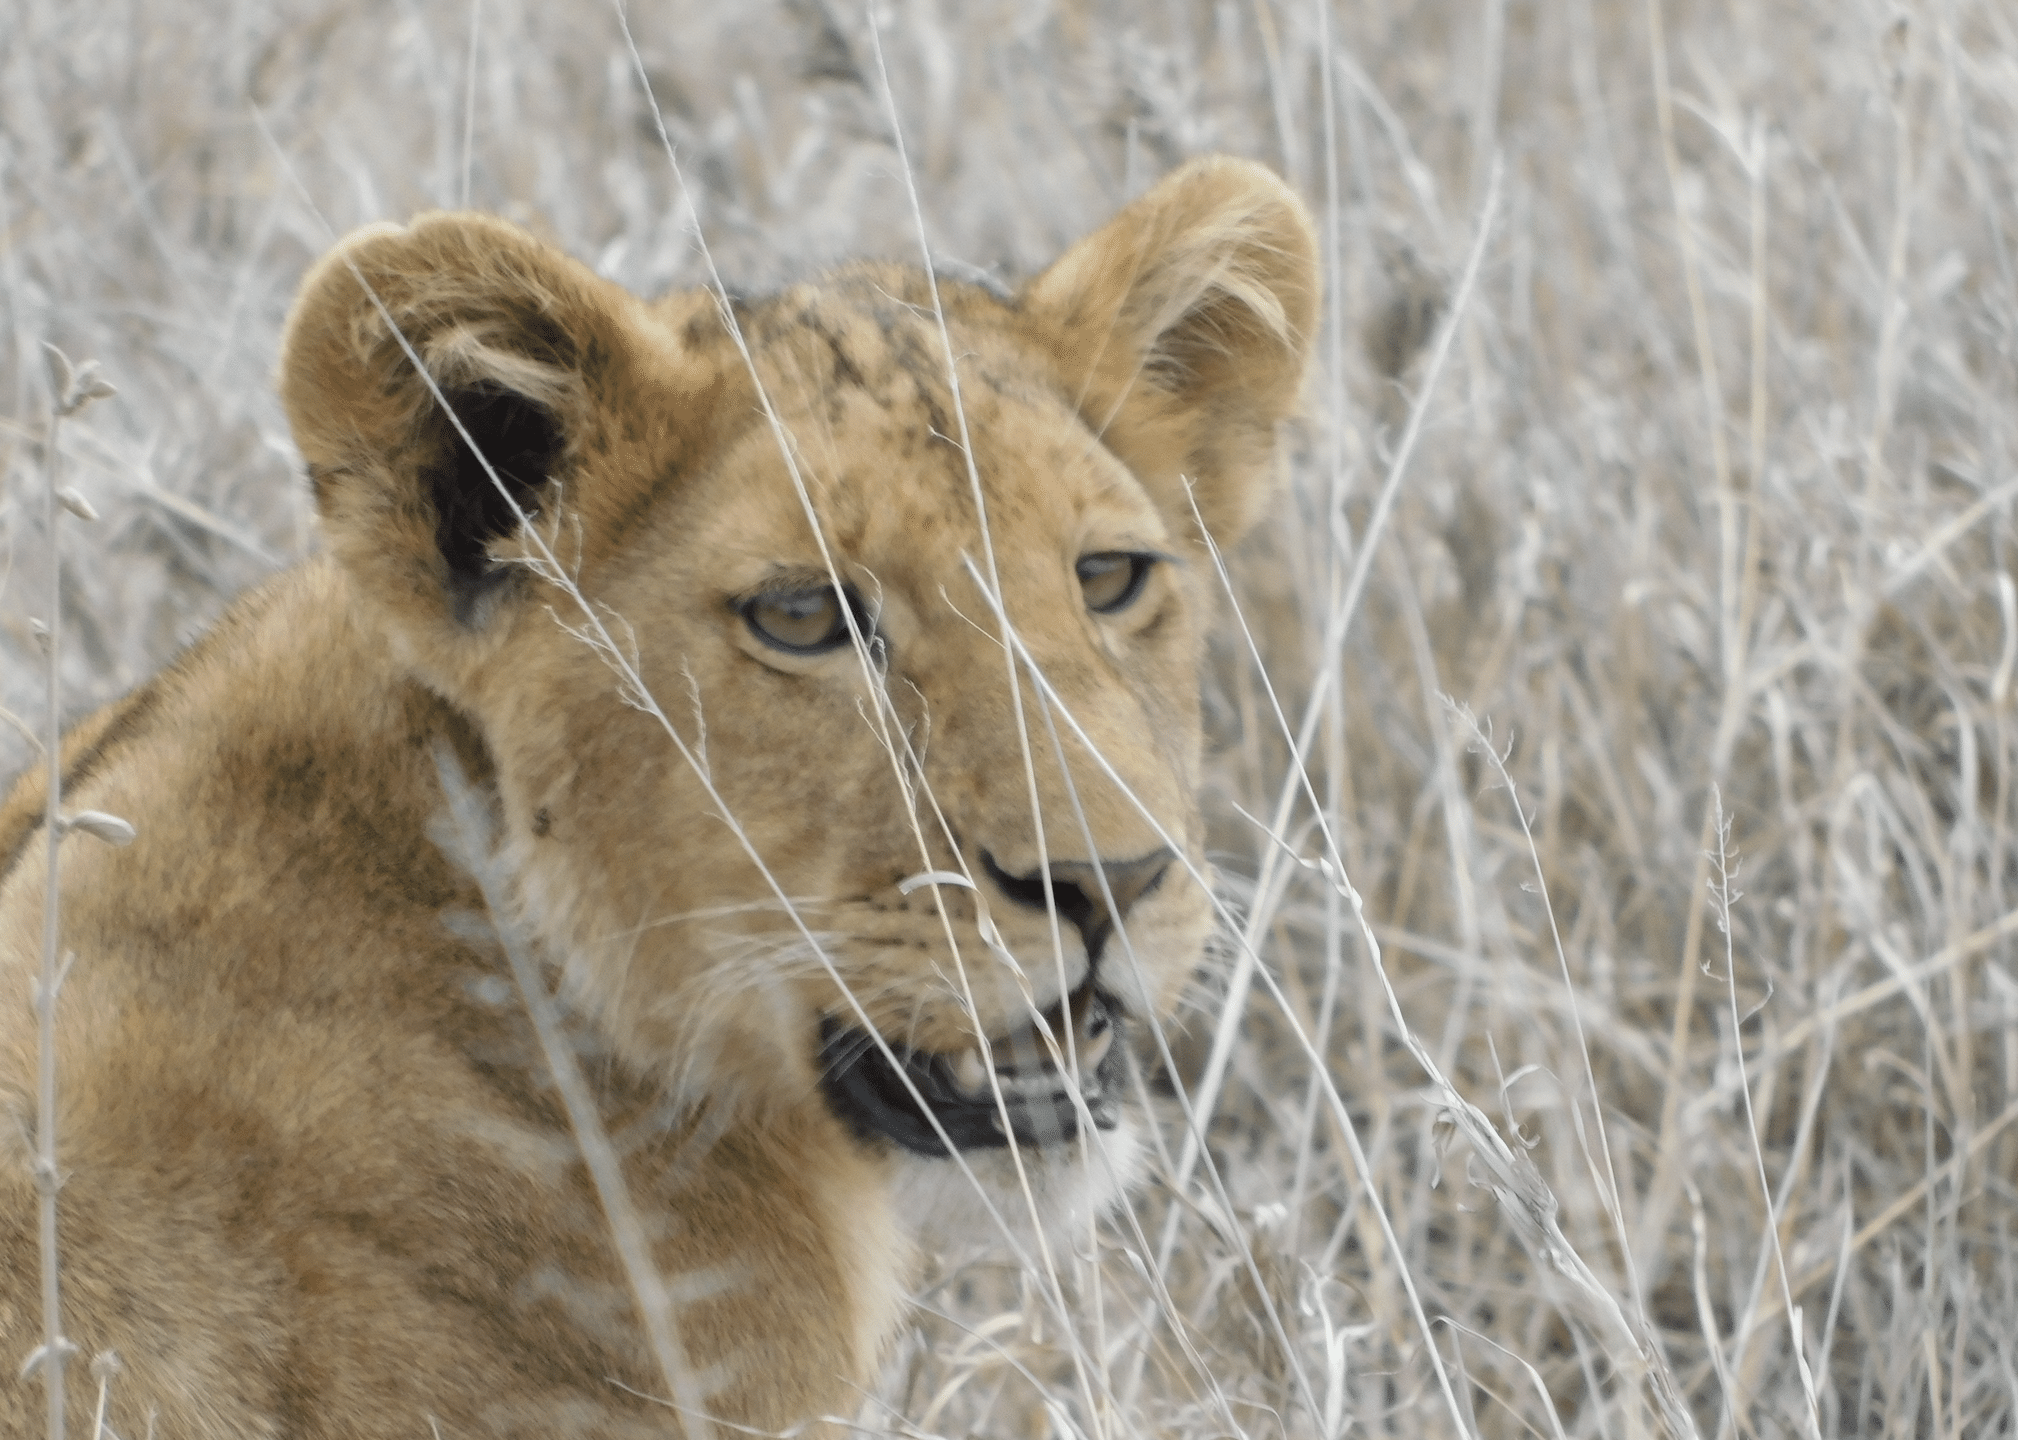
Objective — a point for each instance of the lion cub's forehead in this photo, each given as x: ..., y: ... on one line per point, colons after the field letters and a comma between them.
x: 855, y: 368
x: 874, y: 332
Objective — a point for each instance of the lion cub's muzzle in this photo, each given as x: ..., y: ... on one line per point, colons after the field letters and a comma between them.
x: 1032, y: 1095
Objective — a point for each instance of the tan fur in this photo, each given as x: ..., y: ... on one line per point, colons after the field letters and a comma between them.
x: 319, y: 1183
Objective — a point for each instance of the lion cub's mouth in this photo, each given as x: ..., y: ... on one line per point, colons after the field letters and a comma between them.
x: 869, y: 1093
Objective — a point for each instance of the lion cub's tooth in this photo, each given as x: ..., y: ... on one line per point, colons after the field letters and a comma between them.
x: 970, y: 1072
x: 1093, y: 1049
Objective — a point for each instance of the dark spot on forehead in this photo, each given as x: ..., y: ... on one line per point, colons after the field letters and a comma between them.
x: 846, y: 371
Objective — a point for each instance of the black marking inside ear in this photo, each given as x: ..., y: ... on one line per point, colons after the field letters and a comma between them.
x: 522, y: 441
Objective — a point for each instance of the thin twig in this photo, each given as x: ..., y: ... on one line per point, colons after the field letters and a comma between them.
x: 75, y: 387
x: 48, y: 1179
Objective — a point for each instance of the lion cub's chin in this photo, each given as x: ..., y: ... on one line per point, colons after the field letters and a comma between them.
x: 1070, y: 1186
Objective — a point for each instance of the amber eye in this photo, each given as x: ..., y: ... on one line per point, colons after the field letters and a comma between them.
x: 1113, y: 579
x: 805, y: 622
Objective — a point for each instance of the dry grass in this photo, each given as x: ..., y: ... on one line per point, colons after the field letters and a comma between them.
x: 1709, y: 923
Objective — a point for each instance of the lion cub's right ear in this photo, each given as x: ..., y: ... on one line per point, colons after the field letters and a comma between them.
x: 529, y: 349
x: 1182, y: 327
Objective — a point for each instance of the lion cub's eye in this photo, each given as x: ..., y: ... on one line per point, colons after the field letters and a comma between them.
x: 805, y: 622
x: 1113, y: 579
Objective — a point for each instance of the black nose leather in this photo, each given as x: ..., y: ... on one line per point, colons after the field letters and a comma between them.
x: 1076, y: 890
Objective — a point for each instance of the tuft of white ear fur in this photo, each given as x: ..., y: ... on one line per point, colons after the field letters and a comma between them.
x: 1182, y: 328
x: 469, y: 354
x: 1232, y: 261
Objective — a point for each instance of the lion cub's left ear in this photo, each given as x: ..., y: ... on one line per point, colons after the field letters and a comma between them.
x: 1182, y: 327
x: 531, y: 351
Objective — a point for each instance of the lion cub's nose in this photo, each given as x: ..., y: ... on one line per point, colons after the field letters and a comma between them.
x: 1077, y: 892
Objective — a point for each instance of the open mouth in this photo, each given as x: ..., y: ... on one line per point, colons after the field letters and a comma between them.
x: 1038, y: 1098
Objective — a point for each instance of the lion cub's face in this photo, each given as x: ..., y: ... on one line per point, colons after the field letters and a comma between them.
x: 884, y: 802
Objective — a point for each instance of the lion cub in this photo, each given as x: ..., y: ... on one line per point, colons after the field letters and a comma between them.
x: 829, y: 666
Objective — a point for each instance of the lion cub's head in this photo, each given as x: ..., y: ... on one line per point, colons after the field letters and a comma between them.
x: 839, y: 665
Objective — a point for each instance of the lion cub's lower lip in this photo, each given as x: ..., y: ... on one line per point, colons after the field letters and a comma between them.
x: 870, y: 1093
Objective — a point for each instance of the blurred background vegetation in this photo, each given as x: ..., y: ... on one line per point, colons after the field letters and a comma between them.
x: 1709, y: 524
